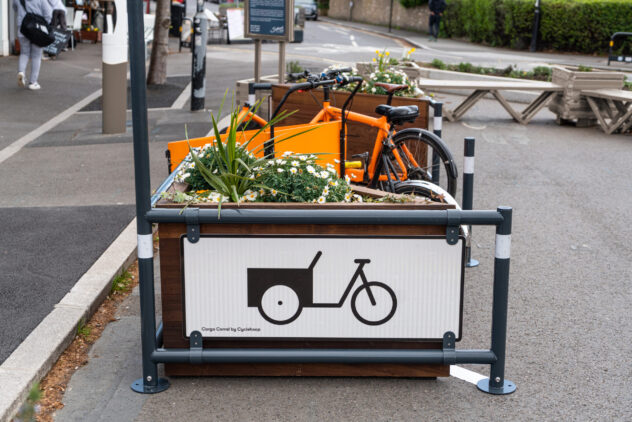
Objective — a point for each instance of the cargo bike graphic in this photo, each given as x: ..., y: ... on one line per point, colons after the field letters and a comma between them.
x: 280, y: 294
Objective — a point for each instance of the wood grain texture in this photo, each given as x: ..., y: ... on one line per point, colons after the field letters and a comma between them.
x: 173, y: 310
x: 360, y: 138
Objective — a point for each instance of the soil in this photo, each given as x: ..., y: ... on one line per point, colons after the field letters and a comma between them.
x: 54, y: 385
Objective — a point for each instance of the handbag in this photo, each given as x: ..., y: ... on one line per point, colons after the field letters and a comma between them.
x: 35, y: 28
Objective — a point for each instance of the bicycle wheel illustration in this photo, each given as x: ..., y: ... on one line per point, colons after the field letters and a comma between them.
x: 280, y: 305
x: 369, y: 313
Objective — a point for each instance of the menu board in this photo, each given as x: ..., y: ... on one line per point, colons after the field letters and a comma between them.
x: 270, y: 19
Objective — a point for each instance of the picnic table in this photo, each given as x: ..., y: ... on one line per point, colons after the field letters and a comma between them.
x: 482, y: 88
x: 613, y: 108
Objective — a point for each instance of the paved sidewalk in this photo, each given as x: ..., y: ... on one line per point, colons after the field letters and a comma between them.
x: 455, y: 51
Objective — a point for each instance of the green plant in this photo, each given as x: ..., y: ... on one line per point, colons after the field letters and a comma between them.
x: 297, y: 178
x: 293, y: 66
x: 406, y: 57
x: 82, y: 329
x: 383, y: 60
x: 413, y: 3
x: 122, y: 282
x: 438, y: 64
x: 30, y: 408
x: 582, y: 68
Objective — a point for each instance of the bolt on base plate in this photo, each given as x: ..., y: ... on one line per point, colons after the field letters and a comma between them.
x: 472, y: 263
x: 507, y: 388
x: 140, y: 387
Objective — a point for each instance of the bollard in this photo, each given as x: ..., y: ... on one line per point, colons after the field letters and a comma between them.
x: 114, y: 59
x: 436, y: 129
x: 496, y: 383
x: 468, y: 194
x: 198, y: 64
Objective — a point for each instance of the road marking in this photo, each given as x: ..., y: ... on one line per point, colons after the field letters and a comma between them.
x: 375, y: 34
x: 16, y: 146
x: 474, y: 127
x: 183, y: 97
x: 353, y: 42
x: 465, y: 374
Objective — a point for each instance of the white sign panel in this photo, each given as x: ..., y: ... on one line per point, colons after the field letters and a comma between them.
x: 323, y: 287
x: 235, y: 21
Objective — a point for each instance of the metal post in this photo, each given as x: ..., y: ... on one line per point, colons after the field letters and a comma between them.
x: 198, y: 64
x: 536, y: 27
x: 436, y: 129
x: 149, y: 383
x: 496, y: 383
x: 257, y: 60
x: 390, y: 18
x: 282, y: 62
x: 114, y: 73
x: 468, y: 194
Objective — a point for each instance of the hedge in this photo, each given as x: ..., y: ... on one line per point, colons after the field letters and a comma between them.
x: 565, y: 25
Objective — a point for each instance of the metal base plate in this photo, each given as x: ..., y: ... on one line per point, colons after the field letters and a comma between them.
x: 507, y: 388
x: 140, y: 387
x: 471, y: 263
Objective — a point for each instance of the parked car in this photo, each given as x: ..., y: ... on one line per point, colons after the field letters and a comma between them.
x: 310, y: 7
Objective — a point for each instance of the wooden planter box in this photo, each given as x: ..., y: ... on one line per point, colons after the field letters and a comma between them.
x: 570, y: 106
x: 360, y: 137
x: 94, y: 36
x: 173, y: 296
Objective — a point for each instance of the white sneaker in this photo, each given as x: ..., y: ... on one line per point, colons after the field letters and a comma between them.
x: 34, y: 86
x: 21, y: 79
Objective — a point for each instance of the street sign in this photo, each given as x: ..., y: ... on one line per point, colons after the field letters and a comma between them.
x: 323, y: 287
x: 269, y: 19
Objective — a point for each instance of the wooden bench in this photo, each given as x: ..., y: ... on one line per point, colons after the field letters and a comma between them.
x: 482, y: 88
x: 613, y: 108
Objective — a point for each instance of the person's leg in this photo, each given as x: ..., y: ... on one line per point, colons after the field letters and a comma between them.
x: 437, y: 26
x: 36, y: 61
x: 25, y: 53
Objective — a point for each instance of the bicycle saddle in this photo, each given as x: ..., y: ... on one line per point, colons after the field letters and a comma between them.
x: 398, y: 115
x: 391, y: 88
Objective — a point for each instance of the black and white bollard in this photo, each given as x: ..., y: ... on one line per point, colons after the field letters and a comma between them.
x: 496, y: 383
x: 114, y: 116
x: 468, y: 194
x: 437, y: 124
x: 198, y: 64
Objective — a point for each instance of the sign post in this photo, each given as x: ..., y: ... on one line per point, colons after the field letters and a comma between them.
x: 269, y: 20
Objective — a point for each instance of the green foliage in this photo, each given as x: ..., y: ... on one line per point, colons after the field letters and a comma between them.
x: 582, y: 68
x: 293, y: 66
x: 297, y: 178
x: 121, y: 283
x: 29, y: 410
x: 389, y: 76
x: 540, y: 73
x: 82, y: 329
x: 565, y: 25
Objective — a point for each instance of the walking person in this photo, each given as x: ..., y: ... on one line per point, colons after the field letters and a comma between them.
x: 437, y: 7
x: 59, y: 14
x: 28, y: 50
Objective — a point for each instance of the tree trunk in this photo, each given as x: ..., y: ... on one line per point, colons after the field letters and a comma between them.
x: 157, y: 74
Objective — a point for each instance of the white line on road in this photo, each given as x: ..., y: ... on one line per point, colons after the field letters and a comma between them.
x: 183, y: 97
x: 16, y: 146
x: 353, y: 42
x: 465, y: 374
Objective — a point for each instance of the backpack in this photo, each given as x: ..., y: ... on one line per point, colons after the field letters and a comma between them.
x: 35, y: 28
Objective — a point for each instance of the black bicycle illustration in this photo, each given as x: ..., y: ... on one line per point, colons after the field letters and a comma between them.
x: 282, y: 293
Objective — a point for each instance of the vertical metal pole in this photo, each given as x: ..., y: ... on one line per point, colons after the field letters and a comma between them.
x: 282, y: 62
x: 149, y: 383
x: 198, y: 64
x: 496, y: 383
x: 436, y: 128
x: 468, y: 194
x: 390, y: 18
x: 257, y: 60
x: 536, y: 27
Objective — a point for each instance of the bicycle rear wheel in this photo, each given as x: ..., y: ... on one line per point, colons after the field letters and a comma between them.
x: 415, y: 148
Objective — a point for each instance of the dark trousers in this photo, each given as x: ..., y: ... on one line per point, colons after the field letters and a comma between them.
x: 59, y: 19
x: 434, y: 25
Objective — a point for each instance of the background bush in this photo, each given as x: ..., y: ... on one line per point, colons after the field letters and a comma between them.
x: 566, y: 25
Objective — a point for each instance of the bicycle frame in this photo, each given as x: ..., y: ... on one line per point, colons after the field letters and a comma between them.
x: 358, y: 273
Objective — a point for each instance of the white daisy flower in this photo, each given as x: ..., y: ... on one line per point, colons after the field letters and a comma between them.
x: 336, y: 161
x: 326, y: 191
x: 322, y: 200
x: 347, y: 178
x: 295, y: 163
x: 333, y: 171
x: 357, y: 197
x: 333, y: 183
x: 353, y: 176
x: 287, y: 153
x: 252, y: 196
x: 262, y: 192
x: 347, y: 196
x: 279, y: 161
x: 273, y: 192
x: 293, y: 170
x: 324, y: 174
x: 302, y: 157
x: 280, y: 170
x: 310, y: 169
